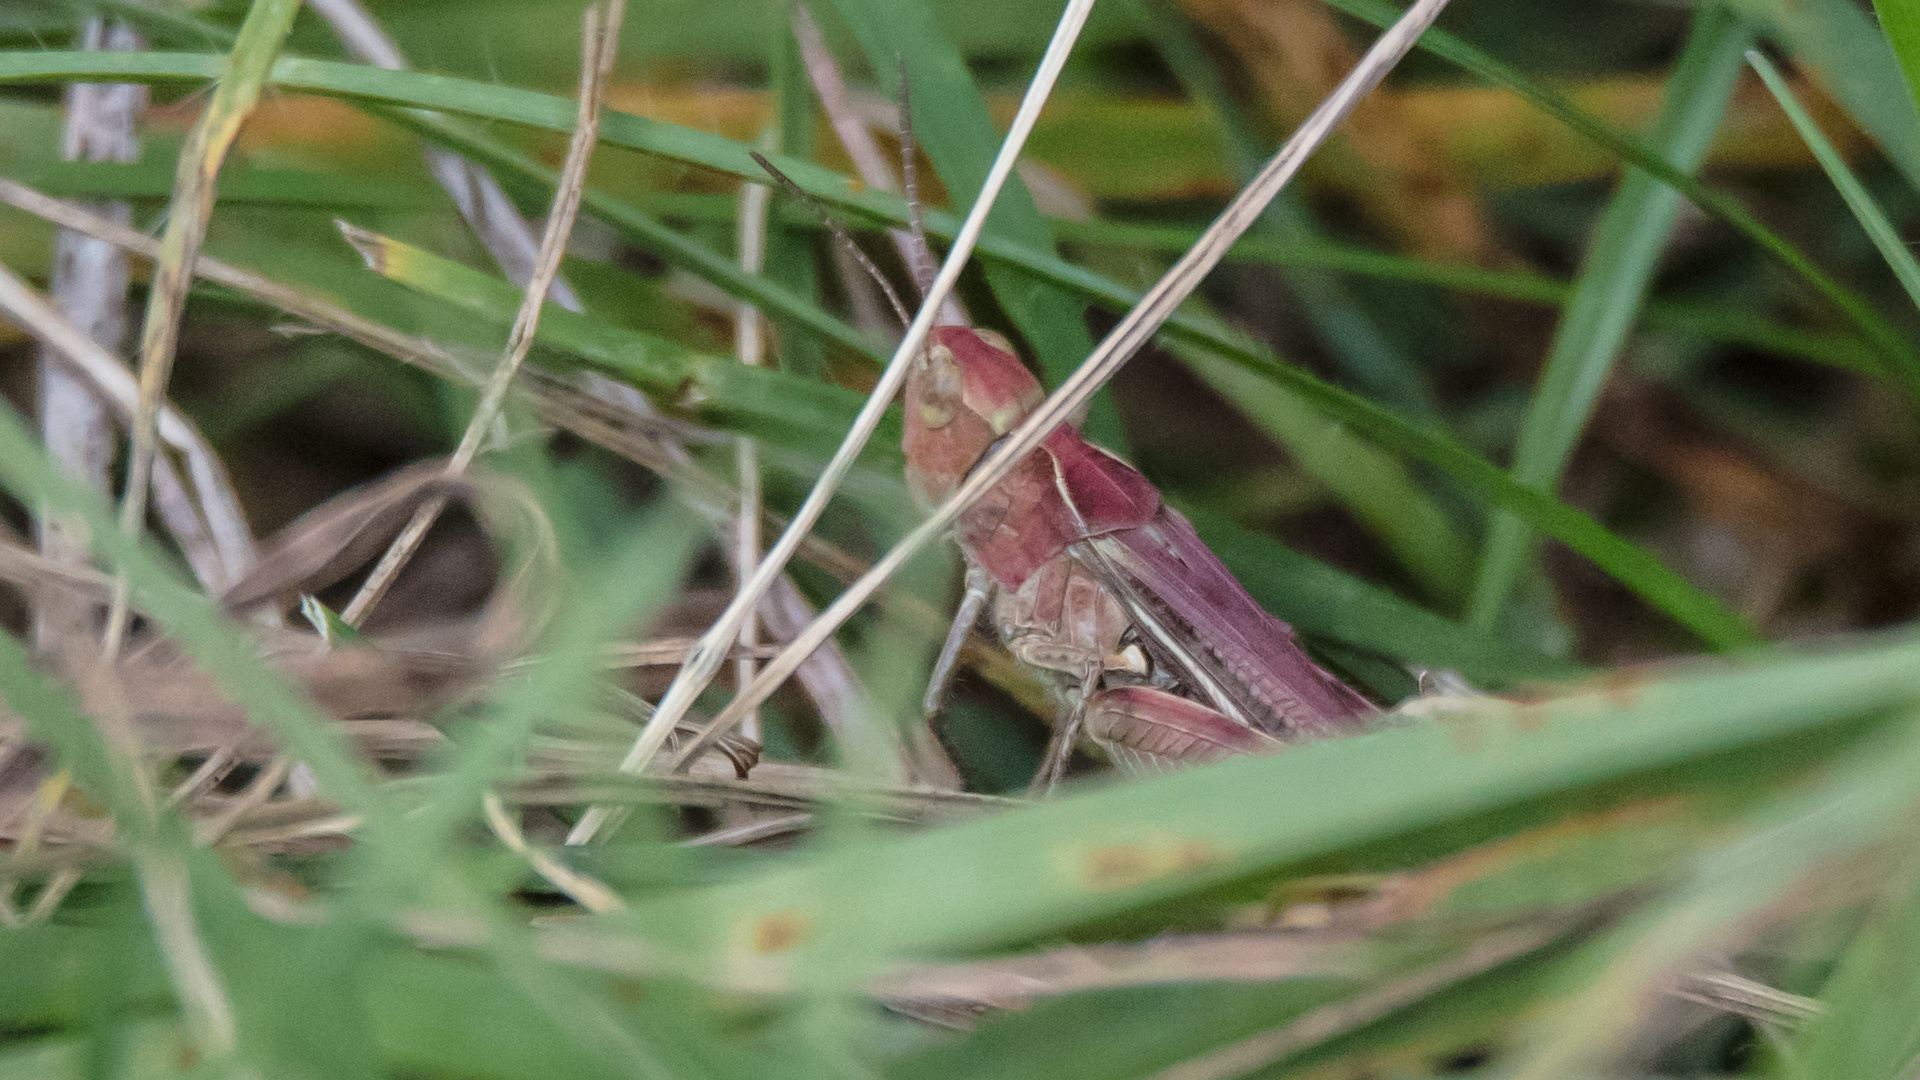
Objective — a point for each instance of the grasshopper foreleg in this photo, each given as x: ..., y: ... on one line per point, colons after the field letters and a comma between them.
x: 1066, y: 732
x: 979, y: 590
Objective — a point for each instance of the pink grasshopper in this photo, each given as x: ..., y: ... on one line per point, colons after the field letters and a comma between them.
x: 1161, y: 655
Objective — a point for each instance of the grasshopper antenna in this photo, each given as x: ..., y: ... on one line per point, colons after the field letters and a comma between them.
x: 922, y: 254
x: 840, y: 234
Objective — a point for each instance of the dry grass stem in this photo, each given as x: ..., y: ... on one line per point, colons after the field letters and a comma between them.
x: 217, y: 765
x: 1133, y: 331
x: 700, y: 668
x: 201, y: 158
x: 645, y: 438
x: 168, y: 896
x: 219, y: 554
x: 752, y: 832
x: 1256, y: 1052
x: 404, y: 347
x: 474, y: 191
x: 89, y: 288
x: 869, y: 162
x: 600, y: 36
x: 208, y: 831
x: 1732, y: 992
x: 848, y: 248
x: 581, y: 888
x: 39, y: 810
x: 749, y: 345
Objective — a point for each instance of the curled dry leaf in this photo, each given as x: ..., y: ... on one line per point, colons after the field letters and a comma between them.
x: 385, y: 687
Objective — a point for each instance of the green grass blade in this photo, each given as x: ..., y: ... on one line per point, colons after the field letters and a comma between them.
x: 952, y: 124
x: 1885, y: 337
x: 288, y: 187
x: 1886, y: 238
x: 354, y: 193
x: 1639, y: 571
x: 1708, y: 321
x: 793, y: 406
x: 1371, y: 362
x: 790, y: 250
x: 650, y: 233
x: 1835, y: 42
x: 1323, y: 602
x: 54, y: 717
x: 1612, y: 285
x: 784, y: 409
x: 1867, y: 1030
x: 1103, y: 852
x: 1863, y: 800
x: 490, y: 102
x: 568, y: 681
x: 1372, y: 483
x: 1900, y: 21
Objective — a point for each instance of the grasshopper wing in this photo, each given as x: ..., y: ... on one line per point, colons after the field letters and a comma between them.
x: 1248, y: 661
x: 1197, y: 617
x: 1202, y: 621
x: 1152, y: 730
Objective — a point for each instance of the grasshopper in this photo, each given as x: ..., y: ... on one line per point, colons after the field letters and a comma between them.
x: 1160, y: 654
x: 1156, y: 651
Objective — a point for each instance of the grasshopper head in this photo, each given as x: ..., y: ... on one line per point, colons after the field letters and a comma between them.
x: 965, y: 391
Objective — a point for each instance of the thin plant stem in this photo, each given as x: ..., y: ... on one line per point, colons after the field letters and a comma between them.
x: 89, y: 287
x: 750, y: 347
x: 600, y: 34
x: 195, y: 183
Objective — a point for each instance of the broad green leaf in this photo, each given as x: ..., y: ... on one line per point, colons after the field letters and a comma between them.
x: 1101, y: 852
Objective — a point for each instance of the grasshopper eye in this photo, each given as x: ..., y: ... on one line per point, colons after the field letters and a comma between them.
x: 939, y: 396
